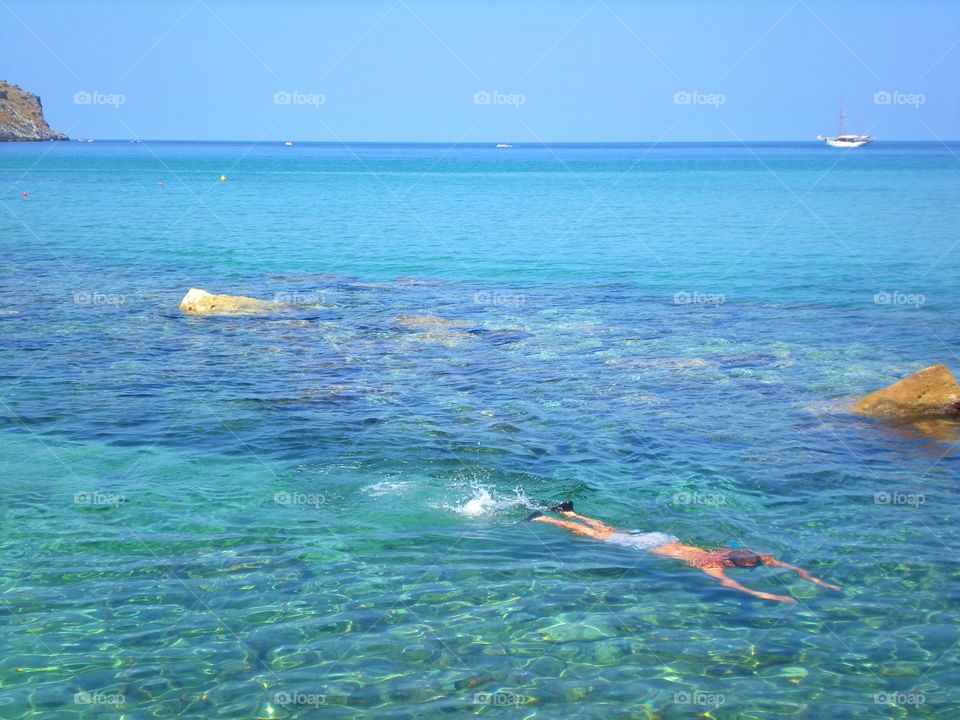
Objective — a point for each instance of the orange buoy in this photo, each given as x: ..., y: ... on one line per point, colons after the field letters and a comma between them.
x: 25, y: 193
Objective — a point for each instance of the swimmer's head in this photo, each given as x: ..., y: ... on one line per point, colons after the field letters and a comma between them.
x: 744, y: 559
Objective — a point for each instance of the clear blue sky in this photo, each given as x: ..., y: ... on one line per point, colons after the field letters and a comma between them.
x: 565, y: 70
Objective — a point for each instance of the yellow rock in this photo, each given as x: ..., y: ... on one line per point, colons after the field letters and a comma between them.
x: 443, y: 331
x: 200, y: 301
x: 931, y: 392
x: 429, y: 322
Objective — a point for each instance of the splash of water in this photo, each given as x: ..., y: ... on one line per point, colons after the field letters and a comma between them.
x: 484, y: 500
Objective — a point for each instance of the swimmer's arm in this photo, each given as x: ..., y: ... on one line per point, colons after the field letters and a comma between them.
x: 727, y: 582
x: 773, y: 562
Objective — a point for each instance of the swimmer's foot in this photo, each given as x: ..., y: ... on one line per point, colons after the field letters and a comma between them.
x: 533, y: 516
x: 565, y: 507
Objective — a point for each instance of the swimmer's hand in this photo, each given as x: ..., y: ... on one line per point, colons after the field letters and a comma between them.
x: 818, y: 581
x: 774, y: 562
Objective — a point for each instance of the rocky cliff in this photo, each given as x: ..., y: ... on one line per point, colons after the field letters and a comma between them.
x: 21, y: 116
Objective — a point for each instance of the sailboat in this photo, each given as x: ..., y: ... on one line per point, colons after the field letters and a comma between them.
x: 846, y: 140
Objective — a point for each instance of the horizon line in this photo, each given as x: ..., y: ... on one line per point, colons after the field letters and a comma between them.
x: 538, y: 143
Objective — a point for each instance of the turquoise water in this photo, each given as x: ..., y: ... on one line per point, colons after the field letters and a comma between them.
x: 315, y: 511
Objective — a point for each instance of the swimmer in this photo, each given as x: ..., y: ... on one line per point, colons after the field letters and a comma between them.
x: 712, y: 562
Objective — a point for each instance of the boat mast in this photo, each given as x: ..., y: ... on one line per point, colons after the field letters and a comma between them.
x: 841, y: 117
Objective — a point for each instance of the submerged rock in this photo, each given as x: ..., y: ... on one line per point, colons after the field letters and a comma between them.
x: 746, y: 359
x: 200, y: 301
x: 430, y: 322
x: 399, y: 282
x: 501, y: 336
x: 931, y: 392
x: 432, y: 329
x: 945, y: 430
x: 658, y: 363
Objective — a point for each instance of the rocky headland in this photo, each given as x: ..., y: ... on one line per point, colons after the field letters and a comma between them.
x: 21, y: 116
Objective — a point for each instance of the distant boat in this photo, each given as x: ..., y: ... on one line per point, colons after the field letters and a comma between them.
x: 288, y: 143
x: 846, y: 140
x: 504, y: 145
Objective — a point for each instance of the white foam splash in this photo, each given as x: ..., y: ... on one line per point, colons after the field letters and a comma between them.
x: 479, y: 504
x: 482, y: 502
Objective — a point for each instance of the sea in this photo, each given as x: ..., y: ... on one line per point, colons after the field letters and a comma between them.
x: 318, y: 510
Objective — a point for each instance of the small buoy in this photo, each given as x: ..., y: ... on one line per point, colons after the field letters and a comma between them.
x: 223, y: 178
x: 160, y: 183
x: 25, y: 193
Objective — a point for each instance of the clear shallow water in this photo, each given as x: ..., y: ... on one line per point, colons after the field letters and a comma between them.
x: 323, y: 502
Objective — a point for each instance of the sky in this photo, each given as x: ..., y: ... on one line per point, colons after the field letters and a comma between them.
x: 512, y: 71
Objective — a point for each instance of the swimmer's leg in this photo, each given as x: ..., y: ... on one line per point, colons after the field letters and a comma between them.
x: 573, y: 527
x: 566, y: 509
x: 595, y: 524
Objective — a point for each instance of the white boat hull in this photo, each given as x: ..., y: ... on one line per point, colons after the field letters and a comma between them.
x: 832, y: 142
